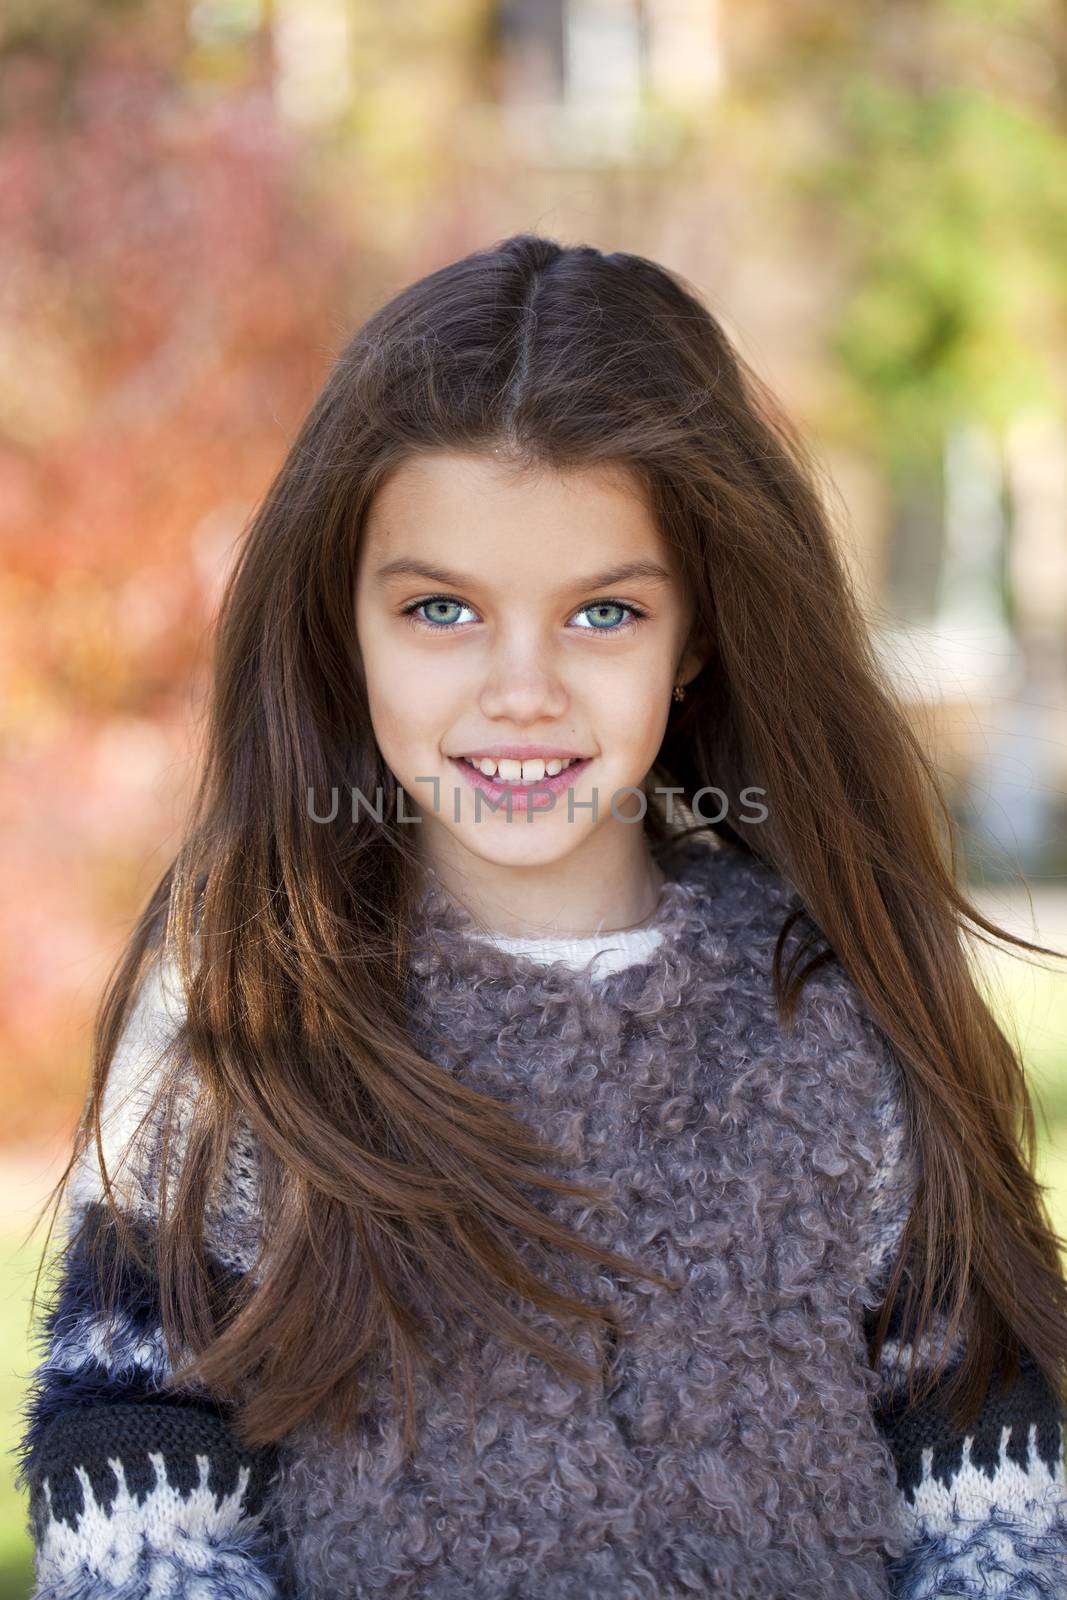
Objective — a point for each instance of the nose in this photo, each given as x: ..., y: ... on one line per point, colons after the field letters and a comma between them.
x: 522, y: 683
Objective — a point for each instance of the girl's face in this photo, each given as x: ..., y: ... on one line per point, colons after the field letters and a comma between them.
x: 541, y: 611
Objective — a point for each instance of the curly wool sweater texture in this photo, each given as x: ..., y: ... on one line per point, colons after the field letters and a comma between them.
x: 739, y: 1443
x: 734, y: 1448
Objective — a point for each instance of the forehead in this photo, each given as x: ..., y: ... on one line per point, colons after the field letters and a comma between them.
x: 438, y: 502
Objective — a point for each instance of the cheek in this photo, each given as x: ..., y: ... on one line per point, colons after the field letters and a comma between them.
x: 633, y: 724
x: 410, y: 703
x: 635, y: 696
x: 387, y: 690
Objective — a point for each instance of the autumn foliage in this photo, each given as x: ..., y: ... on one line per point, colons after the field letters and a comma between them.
x: 171, y: 297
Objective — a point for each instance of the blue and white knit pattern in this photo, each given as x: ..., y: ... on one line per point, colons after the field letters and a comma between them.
x: 135, y: 1491
x: 140, y: 1492
x: 987, y: 1512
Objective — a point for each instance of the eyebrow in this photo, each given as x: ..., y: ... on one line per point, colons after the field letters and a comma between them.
x: 402, y: 567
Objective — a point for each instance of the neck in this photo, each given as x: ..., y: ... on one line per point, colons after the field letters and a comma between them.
x: 573, y: 897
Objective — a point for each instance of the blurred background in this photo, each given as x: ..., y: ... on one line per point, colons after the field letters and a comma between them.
x: 201, y: 199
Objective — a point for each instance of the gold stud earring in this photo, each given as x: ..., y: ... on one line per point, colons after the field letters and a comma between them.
x: 679, y: 691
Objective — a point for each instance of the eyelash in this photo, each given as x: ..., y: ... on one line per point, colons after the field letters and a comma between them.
x: 408, y: 611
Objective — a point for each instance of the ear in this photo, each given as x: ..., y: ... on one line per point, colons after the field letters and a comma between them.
x: 696, y: 656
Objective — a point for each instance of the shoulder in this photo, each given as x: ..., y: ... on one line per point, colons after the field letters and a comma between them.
x: 739, y: 883
x: 131, y: 1109
x: 834, y: 1060
x: 876, y: 1134
x: 896, y: 1168
x: 741, y: 903
x: 153, y: 1088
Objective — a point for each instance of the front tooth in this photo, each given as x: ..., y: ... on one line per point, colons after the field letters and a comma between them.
x: 511, y: 771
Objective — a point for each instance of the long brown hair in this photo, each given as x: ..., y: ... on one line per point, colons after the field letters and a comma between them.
x: 389, y: 1185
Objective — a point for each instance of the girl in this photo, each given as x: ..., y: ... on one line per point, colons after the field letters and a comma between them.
x: 545, y: 1139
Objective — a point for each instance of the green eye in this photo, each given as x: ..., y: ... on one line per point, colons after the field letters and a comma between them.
x: 440, y: 602
x: 608, y: 605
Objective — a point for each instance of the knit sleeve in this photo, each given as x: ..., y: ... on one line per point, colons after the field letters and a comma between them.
x: 134, y: 1490
x: 983, y: 1513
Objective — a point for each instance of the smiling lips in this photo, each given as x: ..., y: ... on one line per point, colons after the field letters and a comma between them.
x: 528, y: 784
x: 508, y: 770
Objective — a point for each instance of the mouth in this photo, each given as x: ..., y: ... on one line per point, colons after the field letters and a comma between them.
x: 521, y: 780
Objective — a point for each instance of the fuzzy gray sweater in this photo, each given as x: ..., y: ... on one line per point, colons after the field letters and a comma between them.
x: 740, y: 1445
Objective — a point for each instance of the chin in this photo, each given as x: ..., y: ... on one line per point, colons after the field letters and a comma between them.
x: 521, y: 844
